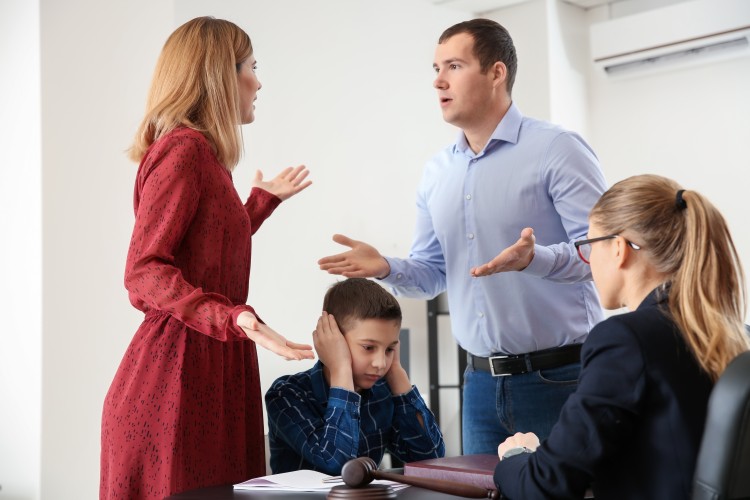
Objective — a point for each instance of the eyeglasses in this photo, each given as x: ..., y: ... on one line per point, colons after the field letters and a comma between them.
x: 584, y: 246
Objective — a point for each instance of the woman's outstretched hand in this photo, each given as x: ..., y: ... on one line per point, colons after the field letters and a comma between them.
x: 266, y: 337
x: 289, y: 182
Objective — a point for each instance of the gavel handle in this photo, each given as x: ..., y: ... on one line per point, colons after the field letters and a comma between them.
x: 441, y: 485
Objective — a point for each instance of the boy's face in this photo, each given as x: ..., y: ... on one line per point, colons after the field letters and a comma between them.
x: 372, y: 343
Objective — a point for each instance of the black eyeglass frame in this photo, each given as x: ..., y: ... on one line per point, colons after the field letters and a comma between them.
x: 580, y: 243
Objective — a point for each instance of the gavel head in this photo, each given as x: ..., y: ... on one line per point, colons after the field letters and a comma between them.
x: 358, y: 472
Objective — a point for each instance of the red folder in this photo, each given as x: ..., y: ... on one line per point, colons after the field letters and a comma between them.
x: 476, y: 470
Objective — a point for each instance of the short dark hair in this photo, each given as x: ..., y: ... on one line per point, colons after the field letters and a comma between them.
x: 492, y: 43
x: 359, y: 299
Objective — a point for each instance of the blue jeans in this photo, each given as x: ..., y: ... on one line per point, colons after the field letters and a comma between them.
x: 495, y: 408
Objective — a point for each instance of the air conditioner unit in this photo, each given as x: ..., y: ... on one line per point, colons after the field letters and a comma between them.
x: 679, y: 35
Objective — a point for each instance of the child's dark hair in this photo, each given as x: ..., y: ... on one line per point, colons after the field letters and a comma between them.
x: 359, y: 299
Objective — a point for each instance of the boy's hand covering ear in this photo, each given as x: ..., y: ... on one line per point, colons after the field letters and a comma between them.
x: 396, y: 377
x: 333, y: 351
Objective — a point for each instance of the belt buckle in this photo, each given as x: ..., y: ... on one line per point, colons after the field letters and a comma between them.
x: 492, y: 366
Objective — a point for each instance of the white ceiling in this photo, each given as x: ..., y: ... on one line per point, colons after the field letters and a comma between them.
x: 478, y: 6
x: 587, y: 4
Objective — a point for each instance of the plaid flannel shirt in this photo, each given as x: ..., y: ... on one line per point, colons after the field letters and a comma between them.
x: 312, y: 426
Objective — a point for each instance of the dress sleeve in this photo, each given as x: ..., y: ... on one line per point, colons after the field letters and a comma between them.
x: 412, y: 442
x: 260, y: 205
x: 326, y: 441
x: 167, y: 196
x: 595, y: 423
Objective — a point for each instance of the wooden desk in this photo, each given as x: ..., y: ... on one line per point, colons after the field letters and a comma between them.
x: 229, y: 493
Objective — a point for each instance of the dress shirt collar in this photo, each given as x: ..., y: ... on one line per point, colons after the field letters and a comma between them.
x: 507, y: 130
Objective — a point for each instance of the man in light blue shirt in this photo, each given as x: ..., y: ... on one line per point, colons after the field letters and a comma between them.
x: 521, y: 315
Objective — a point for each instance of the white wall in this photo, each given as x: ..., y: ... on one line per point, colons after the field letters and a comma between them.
x: 527, y: 24
x: 551, y: 39
x: 692, y: 125
x: 20, y: 251
x: 358, y: 110
x: 347, y: 90
x: 568, y: 48
x: 97, y: 59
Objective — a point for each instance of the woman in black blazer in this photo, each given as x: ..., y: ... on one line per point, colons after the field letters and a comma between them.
x: 633, y: 427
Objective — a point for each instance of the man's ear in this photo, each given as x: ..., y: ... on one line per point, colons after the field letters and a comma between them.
x: 499, y: 73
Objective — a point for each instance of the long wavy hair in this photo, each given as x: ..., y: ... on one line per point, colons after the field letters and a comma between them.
x: 195, y: 85
x: 686, y: 238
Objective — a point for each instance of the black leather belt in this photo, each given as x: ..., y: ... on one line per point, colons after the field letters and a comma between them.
x: 514, y: 364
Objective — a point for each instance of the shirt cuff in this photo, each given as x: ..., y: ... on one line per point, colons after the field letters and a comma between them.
x: 267, y: 198
x: 397, y: 276
x: 234, y: 328
x: 409, y: 402
x: 339, y: 397
x: 542, y: 263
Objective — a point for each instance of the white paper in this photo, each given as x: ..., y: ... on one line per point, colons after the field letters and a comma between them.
x: 300, y: 480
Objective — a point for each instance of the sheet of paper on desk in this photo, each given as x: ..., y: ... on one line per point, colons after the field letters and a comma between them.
x: 299, y: 480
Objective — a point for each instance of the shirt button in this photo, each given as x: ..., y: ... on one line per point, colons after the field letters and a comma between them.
x: 480, y: 314
x: 468, y: 196
x: 399, y: 276
x: 470, y: 236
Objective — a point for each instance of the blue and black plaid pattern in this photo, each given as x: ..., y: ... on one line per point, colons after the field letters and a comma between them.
x: 312, y: 426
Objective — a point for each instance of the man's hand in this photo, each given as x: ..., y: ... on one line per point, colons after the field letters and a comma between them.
x: 362, y: 261
x: 289, y: 182
x: 514, y: 258
x: 333, y: 352
x: 528, y: 440
x: 266, y: 337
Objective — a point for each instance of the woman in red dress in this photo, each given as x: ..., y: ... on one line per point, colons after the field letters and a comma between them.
x: 184, y: 409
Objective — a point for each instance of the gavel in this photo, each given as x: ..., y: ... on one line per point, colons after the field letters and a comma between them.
x: 362, y: 471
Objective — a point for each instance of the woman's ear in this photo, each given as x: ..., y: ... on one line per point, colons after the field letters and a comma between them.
x: 624, y: 252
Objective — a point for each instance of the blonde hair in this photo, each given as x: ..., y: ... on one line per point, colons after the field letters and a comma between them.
x: 195, y: 85
x: 684, y: 236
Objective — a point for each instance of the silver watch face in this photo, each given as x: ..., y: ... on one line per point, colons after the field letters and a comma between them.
x: 516, y: 450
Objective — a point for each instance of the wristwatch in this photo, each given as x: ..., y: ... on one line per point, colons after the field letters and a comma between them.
x: 516, y: 450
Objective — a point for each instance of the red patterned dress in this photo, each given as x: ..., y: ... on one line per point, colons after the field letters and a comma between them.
x: 184, y: 409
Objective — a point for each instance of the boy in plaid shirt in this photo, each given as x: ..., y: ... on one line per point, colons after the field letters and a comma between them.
x: 357, y: 400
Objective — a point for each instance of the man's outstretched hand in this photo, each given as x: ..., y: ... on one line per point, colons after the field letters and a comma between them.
x: 514, y: 258
x: 362, y: 261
